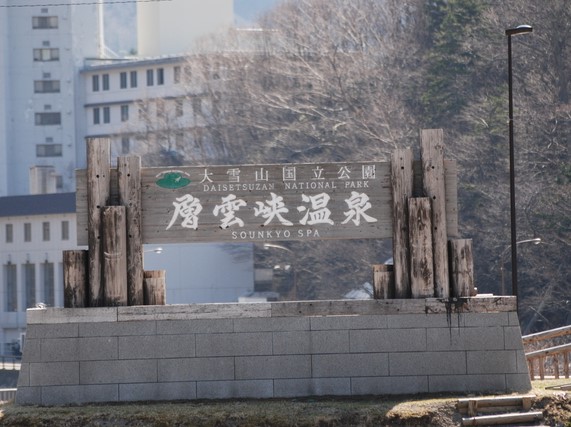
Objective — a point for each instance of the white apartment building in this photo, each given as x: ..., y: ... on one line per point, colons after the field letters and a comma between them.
x: 42, y: 48
x: 34, y: 230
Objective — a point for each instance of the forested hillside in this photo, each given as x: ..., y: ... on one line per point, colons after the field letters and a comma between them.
x: 340, y: 80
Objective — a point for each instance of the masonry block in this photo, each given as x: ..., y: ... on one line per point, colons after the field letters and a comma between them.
x: 272, y: 324
x: 59, y: 349
x: 312, y: 387
x: 519, y: 383
x: 194, y: 326
x: 268, y: 367
x: 29, y: 396
x: 98, y: 348
x: 54, y: 373
x: 196, y: 369
x: 56, y: 330
x: 492, y: 362
x: 157, y: 391
x: 24, y: 375
x: 461, y: 383
x: 485, y: 319
x: 457, y: 339
x: 107, y: 329
x: 427, y: 363
x: 32, y: 352
x: 78, y: 394
x: 248, y: 343
x: 348, y: 322
x: 350, y: 365
x: 406, y: 321
x: 389, y: 385
x: 512, y: 338
x: 385, y: 340
x: 118, y: 371
x: 235, y: 389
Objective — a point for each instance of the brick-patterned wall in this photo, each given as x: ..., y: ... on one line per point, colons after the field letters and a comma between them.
x: 269, y: 350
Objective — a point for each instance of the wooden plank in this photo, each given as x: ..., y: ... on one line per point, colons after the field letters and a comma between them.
x: 420, y: 241
x: 158, y: 209
x: 432, y: 158
x: 488, y: 420
x: 114, y: 251
x: 75, y: 278
x: 558, y: 349
x: 462, y: 268
x: 402, y: 187
x: 154, y: 287
x: 129, y: 179
x: 97, y: 191
x: 383, y: 281
x: 486, y: 402
x: 545, y: 335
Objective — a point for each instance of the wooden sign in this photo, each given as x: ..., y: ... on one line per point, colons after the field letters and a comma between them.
x: 273, y: 202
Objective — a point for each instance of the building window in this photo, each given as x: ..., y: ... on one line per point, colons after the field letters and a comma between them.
x: 48, y: 281
x: 179, y: 107
x: 125, y: 145
x: 197, y: 105
x: 27, y: 232
x: 65, y: 230
x: 176, y: 74
x: 160, y: 76
x: 44, y: 22
x: 95, y: 83
x: 46, y: 231
x: 150, y: 78
x: 48, y: 54
x: 105, y: 81
x: 106, y: 115
x: 49, y: 150
x: 123, y: 80
x: 59, y: 182
x: 46, y: 119
x: 11, y: 280
x: 96, y: 116
x: 30, y: 284
x: 124, y: 113
x: 133, y: 79
x: 46, y: 86
x: 9, y: 233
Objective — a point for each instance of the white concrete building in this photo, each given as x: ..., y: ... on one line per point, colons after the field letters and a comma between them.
x: 42, y: 49
x: 34, y: 230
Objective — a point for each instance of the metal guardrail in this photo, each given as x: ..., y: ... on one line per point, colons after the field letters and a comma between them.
x: 548, y: 357
x: 10, y: 362
x: 7, y: 394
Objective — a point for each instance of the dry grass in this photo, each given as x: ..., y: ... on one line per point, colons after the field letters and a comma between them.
x: 319, y: 412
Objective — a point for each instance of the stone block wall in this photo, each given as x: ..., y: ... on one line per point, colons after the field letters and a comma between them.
x: 267, y: 350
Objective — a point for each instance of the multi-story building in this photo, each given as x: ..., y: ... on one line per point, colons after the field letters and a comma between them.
x: 41, y: 51
x: 34, y: 230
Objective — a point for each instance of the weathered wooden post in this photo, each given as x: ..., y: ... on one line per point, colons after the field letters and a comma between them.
x: 433, y: 179
x: 129, y: 179
x: 114, y: 250
x: 421, y: 259
x: 154, y: 287
x: 75, y: 278
x: 461, y: 267
x: 402, y: 187
x: 98, y: 190
x: 383, y: 281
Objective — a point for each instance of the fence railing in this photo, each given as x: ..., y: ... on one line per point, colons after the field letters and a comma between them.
x: 10, y: 362
x: 549, y: 360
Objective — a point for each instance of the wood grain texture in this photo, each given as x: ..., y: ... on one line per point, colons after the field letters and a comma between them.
x: 114, y: 255
x: 420, y: 241
x: 75, y: 278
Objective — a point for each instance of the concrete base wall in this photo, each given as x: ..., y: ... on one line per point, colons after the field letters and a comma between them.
x: 266, y: 350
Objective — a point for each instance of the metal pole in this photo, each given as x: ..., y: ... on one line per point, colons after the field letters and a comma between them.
x: 512, y: 172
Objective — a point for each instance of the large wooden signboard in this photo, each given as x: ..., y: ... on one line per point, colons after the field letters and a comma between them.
x: 273, y: 202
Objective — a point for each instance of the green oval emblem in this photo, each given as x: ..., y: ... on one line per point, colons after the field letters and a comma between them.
x: 172, y: 180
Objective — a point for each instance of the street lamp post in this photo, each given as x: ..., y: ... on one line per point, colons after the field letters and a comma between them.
x: 536, y: 241
x: 521, y: 29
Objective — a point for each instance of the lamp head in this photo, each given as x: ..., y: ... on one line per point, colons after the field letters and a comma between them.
x: 520, y: 29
